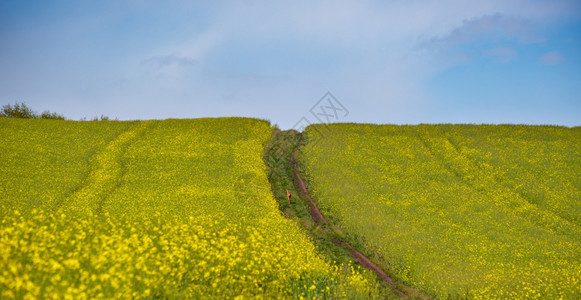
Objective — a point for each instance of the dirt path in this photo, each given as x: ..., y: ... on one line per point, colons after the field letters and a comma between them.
x: 302, y: 187
x: 319, y: 218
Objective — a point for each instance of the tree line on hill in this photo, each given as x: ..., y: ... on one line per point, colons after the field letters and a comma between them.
x: 21, y: 110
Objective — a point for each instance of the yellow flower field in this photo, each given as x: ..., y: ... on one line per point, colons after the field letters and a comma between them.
x: 457, y: 210
x: 152, y: 209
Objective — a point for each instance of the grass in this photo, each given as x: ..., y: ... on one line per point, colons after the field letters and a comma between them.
x: 277, y: 156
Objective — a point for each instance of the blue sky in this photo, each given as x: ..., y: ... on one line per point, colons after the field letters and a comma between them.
x: 402, y: 62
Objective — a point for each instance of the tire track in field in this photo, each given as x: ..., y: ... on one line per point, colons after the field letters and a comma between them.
x: 485, y: 184
x: 302, y: 187
x: 106, y: 171
x: 84, y: 178
x: 151, y: 124
x: 504, y: 183
x: 320, y: 219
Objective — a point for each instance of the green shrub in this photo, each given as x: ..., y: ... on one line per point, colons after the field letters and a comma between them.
x: 21, y: 110
x: 51, y: 115
x: 18, y: 110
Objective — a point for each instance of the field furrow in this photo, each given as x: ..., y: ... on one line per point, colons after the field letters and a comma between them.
x: 484, y: 181
x: 104, y: 175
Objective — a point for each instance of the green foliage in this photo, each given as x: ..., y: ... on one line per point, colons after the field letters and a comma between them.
x: 21, y: 110
x: 458, y: 210
x: 101, y: 118
x: 277, y: 154
x: 51, y: 115
x: 18, y: 110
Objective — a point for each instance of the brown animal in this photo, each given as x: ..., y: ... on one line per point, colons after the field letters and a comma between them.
x: 288, y: 196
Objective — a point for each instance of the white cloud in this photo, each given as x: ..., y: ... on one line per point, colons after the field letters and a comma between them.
x: 552, y: 58
x: 496, y: 26
x: 167, y: 64
x: 501, y: 55
x: 488, y: 29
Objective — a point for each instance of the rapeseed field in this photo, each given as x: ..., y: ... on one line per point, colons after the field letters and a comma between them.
x: 460, y: 211
x: 152, y: 209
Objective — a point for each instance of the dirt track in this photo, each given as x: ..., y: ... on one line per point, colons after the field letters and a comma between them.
x: 319, y: 218
x: 301, y: 186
